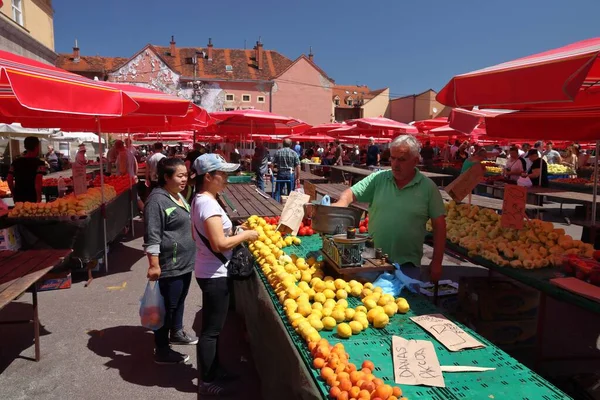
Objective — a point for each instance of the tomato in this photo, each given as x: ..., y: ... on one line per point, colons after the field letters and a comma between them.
x: 362, y: 229
x: 310, y: 231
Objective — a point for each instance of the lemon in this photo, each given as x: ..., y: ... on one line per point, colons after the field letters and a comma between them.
x: 320, y: 298
x: 316, y: 323
x: 362, y: 309
x: 330, y: 285
x: 304, y: 286
x: 328, y: 278
x: 349, y: 313
x: 329, y: 303
x: 341, y: 294
x: 294, y: 292
x: 319, y: 285
x: 381, y: 320
x: 297, y: 241
x: 326, y: 312
x: 356, y: 327
x: 355, y: 291
x: 403, y: 306
x: 370, y: 304
x: 313, y: 337
x: 304, y: 309
x: 329, y: 293
x: 306, y: 276
x: 328, y: 323
x: 364, y: 322
x: 366, y: 292
x: 374, y: 312
x: 390, y: 309
x: 303, y: 298
x: 359, y: 315
x: 342, y: 303
x: 338, y: 314
x: 339, y: 284
x: 316, y: 313
x: 317, y: 306
x: 368, y: 285
x: 344, y: 331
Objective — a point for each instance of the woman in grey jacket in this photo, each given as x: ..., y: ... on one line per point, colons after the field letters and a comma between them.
x: 170, y: 249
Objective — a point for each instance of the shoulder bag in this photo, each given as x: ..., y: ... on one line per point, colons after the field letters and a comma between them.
x: 241, y: 265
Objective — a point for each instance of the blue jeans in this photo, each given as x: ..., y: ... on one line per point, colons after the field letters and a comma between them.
x: 174, y: 290
x: 284, y: 176
x: 260, y: 180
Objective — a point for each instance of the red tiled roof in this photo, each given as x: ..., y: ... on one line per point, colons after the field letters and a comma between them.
x: 362, y: 93
x: 89, y: 63
x: 243, y: 63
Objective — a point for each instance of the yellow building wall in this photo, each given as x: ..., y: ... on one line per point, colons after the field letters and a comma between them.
x: 426, y: 106
x: 36, y: 19
x: 378, y: 106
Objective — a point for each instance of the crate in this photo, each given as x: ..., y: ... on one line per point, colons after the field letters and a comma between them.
x: 239, y: 179
x: 507, y: 333
x: 10, y: 239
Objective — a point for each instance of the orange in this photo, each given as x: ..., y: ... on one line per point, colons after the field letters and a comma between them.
x: 353, y: 392
x: 312, y: 346
x: 326, y: 372
x: 360, y: 382
x: 377, y: 382
x: 392, y: 398
x: 366, y: 371
x: 333, y: 363
x: 318, y: 363
x: 334, y: 392
x: 323, y: 352
x: 350, y: 367
x: 396, y: 391
x: 364, y: 395
x: 368, y: 364
x: 332, y: 381
x: 345, y: 384
x: 383, y: 391
x: 355, y: 377
x: 368, y: 386
x: 343, y: 396
x: 340, y: 368
x: 370, y: 377
x: 343, y: 375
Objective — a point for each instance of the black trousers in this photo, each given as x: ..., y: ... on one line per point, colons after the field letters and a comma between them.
x: 174, y: 290
x: 215, y: 304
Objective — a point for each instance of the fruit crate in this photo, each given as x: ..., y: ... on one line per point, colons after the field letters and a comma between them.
x: 239, y: 179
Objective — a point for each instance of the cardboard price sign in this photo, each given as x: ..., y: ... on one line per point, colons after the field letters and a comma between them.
x: 462, y: 186
x: 311, y: 190
x: 293, y: 212
x: 415, y: 363
x: 513, y: 206
x: 501, y: 161
x: 79, y: 179
x: 447, y: 332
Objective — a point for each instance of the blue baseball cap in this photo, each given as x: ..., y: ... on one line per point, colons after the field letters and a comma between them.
x: 213, y: 162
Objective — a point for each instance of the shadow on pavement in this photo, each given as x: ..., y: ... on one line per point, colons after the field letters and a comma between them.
x: 15, y: 338
x: 235, y: 356
x: 121, y: 258
x: 130, y: 349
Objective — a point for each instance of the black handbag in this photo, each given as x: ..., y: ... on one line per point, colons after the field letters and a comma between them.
x: 241, y: 265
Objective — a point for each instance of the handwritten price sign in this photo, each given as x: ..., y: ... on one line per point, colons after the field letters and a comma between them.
x: 460, y: 188
x: 513, y: 206
x: 415, y: 363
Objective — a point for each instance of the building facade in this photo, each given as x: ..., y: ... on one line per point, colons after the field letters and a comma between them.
x: 27, y: 29
x: 417, y: 107
x: 352, y: 102
x: 219, y: 79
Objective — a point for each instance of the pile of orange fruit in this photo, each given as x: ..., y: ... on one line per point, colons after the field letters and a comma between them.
x: 344, y: 378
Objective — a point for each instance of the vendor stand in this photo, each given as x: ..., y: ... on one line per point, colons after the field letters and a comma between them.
x: 270, y: 333
x: 240, y: 201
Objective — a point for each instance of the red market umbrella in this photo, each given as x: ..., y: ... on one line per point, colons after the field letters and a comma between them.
x: 383, y: 123
x: 244, y: 122
x: 364, y: 139
x: 426, y: 125
x: 311, y: 138
x: 324, y: 128
x: 561, y: 78
x: 446, y: 130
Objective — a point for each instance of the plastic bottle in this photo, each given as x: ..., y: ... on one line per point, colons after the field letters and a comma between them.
x: 62, y: 187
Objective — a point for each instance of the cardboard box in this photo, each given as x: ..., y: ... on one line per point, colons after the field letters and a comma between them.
x: 497, y: 299
x: 55, y: 281
x: 10, y: 239
x: 511, y: 333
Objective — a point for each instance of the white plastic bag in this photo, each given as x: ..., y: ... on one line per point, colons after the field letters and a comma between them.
x: 152, y: 307
x: 526, y: 182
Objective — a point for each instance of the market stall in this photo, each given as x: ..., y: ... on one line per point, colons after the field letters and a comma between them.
x: 301, y: 374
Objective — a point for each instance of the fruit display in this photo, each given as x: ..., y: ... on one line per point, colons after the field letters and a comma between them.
x: 54, y: 182
x: 306, y: 228
x: 574, y: 181
x: 314, y: 302
x: 491, y: 169
x: 586, y: 269
x: 4, y: 190
x: 558, y: 169
x: 67, y: 206
x: 537, y: 245
x: 120, y: 183
x: 496, y: 178
x: 363, y: 226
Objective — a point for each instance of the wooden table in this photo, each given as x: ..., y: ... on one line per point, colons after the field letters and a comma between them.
x: 309, y: 176
x: 334, y: 190
x: 242, y: 200
x: 488, y: 202
x: 20, y: 270
x: 338, y: 171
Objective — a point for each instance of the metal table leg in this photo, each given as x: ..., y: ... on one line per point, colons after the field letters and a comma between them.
x: 36, y: 323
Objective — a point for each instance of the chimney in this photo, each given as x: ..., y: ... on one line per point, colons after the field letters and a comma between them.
x: 210, y: 49
x: 76, y: 52
x: 172, y: 50
x: 310, y: 54
x: 259, y: 54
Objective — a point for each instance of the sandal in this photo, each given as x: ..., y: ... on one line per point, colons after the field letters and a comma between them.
x: 211, y: 389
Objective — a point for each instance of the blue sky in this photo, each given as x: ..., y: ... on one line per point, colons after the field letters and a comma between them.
x: 407, y: 45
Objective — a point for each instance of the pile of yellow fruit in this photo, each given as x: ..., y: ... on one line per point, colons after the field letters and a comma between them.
x: 67, y: 206
x: 493, y: 170
x: 558, y: 169
x: 538, y: 244
x: 313, y: 301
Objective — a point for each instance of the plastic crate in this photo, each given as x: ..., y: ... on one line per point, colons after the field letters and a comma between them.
x: 239, y: 179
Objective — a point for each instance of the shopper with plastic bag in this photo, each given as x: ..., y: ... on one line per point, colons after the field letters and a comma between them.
x: 171, y: 251
x: 152, y: 307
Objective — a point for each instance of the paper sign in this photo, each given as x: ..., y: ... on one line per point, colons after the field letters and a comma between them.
x: 459, y: 188
x: 311, y: 190
x: 293, y: 212
x: 501, y: 161
x: 447, y: 332
x: 415, y: 363
x: 79, y: 179
x: 513, y: 206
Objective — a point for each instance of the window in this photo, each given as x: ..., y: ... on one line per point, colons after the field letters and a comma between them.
x: 246, y: 98
x: 260, y: 99
x: 336, y: 101
x: 229, y: 108
x: 228, y: 68
x: 229, y: 97
x: 349, y: 101
x: 17, y: 11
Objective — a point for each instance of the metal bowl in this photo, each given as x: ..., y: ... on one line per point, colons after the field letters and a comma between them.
x: 334, y: 220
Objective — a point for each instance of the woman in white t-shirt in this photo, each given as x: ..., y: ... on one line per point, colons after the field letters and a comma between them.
x: 515, y: 165
x: 212, y: 229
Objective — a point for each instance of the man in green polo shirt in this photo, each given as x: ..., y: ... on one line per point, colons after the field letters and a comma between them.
x: 401, y: 200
